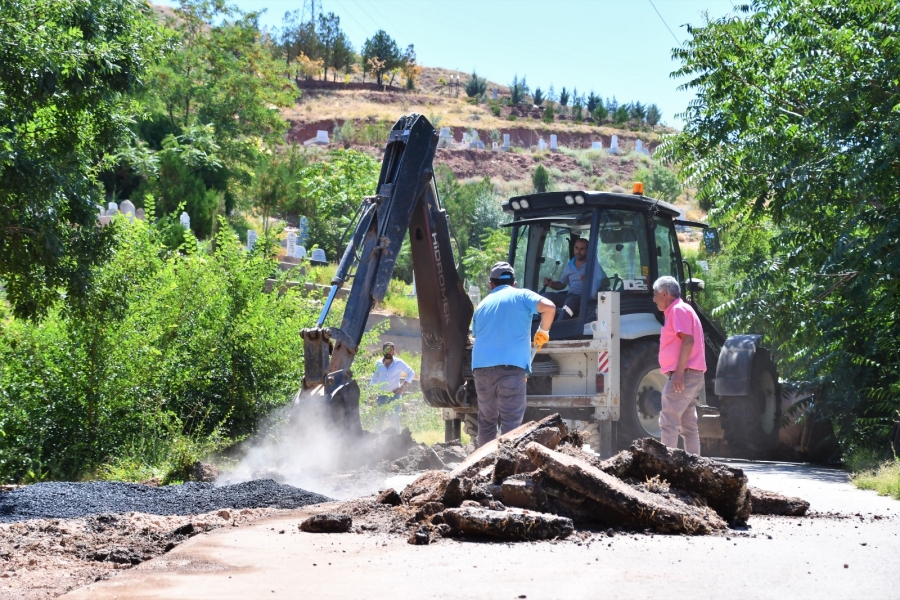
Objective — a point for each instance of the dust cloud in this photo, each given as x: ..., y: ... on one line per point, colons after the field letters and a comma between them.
x: 299, y: 446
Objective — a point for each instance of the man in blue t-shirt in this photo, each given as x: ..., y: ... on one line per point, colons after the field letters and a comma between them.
x: 501, y: 357
x: 574, y: 275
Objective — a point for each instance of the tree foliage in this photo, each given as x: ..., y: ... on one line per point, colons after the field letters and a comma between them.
x: 220, y: 89
x: 518, y: 89
x: 794, y: 129
x: 67, y: 70
x: 329, y: 192
x: 384, y: 51
x: 175, y: 348
x: 476, y: 86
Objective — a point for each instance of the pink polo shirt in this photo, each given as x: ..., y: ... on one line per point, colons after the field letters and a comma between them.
x: 680, y: 318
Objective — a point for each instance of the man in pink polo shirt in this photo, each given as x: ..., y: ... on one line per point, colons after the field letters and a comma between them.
x: 681, y: 357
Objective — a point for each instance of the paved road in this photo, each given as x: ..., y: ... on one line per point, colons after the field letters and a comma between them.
x: 776, y: 557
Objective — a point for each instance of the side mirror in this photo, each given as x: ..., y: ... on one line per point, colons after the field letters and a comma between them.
x: 711, y: 241
x: 695, y: 285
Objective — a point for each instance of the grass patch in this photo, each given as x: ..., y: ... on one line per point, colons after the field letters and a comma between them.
x: 321, y: 275
x: 884, y: 479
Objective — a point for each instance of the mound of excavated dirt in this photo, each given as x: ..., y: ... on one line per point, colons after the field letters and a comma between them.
x: 536, y: 483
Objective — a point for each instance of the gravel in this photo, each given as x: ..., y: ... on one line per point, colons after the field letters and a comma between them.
x: 65, y: 500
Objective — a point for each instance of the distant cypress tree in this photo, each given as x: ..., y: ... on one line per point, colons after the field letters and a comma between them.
x: 476, y: 86
x: 541, y: 179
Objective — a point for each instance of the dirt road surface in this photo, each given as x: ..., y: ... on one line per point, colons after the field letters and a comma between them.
x: 847, y: 548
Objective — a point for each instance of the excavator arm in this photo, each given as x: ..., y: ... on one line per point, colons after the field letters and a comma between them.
x: 406, y: 200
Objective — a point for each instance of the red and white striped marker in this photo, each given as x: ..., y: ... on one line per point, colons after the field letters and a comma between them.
x: 603, y: 362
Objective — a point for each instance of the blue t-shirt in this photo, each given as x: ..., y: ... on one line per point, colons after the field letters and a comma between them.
x: 502, y: 328
x: 574, y: 277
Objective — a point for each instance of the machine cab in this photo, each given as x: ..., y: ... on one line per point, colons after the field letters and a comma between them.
x: 631, y: 242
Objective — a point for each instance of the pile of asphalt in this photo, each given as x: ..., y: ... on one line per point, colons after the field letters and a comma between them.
x: 66, y: 500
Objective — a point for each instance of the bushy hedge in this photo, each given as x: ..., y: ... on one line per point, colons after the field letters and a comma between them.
x: 171, y: 352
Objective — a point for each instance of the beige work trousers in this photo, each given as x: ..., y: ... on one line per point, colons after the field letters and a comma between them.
x: 679, y: 412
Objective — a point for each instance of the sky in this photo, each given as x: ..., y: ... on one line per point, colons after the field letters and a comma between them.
x: 618, y: 48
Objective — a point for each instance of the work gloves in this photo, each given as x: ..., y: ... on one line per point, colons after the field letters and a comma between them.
x: 541, y: 337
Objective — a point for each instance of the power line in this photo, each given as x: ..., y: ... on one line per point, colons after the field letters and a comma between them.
x: 664, y: 22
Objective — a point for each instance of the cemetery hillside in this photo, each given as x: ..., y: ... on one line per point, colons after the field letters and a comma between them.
x: 178, y: 184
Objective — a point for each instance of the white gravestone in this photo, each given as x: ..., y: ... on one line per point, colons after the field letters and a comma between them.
x: 542, y: 145
x: 185, y: 220
x: 475, y: 141
x: 140, y: 214
x: 703, y: 264
x: 495, y: 93
x: 319, y: 255
x: 127, y: 208
x: 495, y: 146
x: 252, y: 236
x: 299, y: 252
x: 446, y: 138
x: 553, y: 141
x: 596, y: 145
x: 506, y: 141
x: 112, y: 208
x: 321, y: 139
x: 291, y: 243
x: 475, y: 294
x: 614, y: 145
x: 639, y: 147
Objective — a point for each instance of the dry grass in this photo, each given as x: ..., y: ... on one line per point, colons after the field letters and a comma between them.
x: 453, y: 112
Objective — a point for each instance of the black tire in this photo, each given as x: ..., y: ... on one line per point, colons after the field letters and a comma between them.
x: 640, y: 374
x: 751, y: 422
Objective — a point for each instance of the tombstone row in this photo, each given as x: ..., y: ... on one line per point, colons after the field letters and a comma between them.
x: 471, y: 140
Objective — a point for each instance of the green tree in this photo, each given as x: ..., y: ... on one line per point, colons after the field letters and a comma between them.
x: 549, y: 114
x: 540, y: 180
x: 67, y: 70
x: 538, y: 97
x: 653, y: 115
x: 298, y: 37
x: 476, y: 86
x: 637, y: 112
x: 383, y: 49
x: 328, y: 193
x: 796, y: 133
x: 337, y: 52
x: 593, y: 101
x: 222, y: 79
x: 518, y: 89
x: 564, y: 97
x: 659, y: 182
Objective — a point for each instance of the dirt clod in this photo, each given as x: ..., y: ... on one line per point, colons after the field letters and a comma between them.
x: 327, y: 523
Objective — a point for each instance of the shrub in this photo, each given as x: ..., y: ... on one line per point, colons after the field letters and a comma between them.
x: 495, y: 108
x: 175, y: 354
x: 540, y: 179
x: 476, y: 86
x: 549, y: 114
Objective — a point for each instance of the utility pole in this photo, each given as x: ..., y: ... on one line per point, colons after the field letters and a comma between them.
x: 309, y: 8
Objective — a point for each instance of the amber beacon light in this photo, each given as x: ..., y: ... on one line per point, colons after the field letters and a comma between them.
x: 637, y: 188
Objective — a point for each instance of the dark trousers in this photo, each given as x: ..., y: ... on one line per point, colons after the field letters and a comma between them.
x: 562, y: 299
x: 501, y: 397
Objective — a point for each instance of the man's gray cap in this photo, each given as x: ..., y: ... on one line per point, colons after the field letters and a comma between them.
x: 502, y: 270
